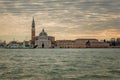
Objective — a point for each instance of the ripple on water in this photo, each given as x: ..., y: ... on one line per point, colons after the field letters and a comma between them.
x: 60, y: 64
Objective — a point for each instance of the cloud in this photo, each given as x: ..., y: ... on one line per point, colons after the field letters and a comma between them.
x: 74, y: 18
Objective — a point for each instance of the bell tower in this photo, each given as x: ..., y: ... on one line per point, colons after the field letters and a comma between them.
x: 33, y: 33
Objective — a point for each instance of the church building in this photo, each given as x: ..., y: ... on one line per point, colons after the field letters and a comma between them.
x: 43, y: 41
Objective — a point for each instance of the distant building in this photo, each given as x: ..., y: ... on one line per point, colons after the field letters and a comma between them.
x: 26, y: 44
x: 81, y: 43
x: 113, y: 39
x: 52, y: 39
x: 98, y: 45
x: 43, y: 41
x: 65, y: 43
x: 14, y: 44
x: 118, y: 42
x: 113, y: 42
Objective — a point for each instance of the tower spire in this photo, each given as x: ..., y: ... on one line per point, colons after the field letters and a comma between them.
x: 33, y: 23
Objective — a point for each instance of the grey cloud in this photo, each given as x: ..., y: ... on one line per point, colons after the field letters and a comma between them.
x: 80, y: 13
x: 47, y: 5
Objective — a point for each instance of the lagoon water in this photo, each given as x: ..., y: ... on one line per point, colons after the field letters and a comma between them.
x: 59, y: 64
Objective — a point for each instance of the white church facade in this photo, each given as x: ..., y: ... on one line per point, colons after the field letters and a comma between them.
x: 43, y: 41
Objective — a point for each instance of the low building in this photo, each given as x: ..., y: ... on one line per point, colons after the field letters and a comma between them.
x: 65, y: 43
x: 97, y: 45
x: 52, y: 39
x: 26, y: 44
x: 14, y: 44
x: 81, y: 43
x: 118, y: 41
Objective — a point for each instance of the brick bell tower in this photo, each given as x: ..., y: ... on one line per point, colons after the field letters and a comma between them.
x: 33, y: 33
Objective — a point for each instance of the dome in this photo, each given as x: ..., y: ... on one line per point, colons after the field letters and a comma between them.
x: 43, y: 33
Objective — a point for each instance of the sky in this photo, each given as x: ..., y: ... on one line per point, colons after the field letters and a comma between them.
x: 64, y: 19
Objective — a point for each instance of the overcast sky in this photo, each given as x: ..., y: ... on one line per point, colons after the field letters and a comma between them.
x: 64, y: 19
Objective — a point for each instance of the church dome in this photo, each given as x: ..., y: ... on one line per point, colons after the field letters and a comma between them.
x: 43, y: 33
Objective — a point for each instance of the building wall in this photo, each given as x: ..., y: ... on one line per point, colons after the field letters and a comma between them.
x: 99, y: 45
x: 118, y: 42
x: 51, y: 38
x: 65, y: 43
x: 33, y: 37
x: 118, y: 39
x: 47, y: 43
x: 81, y: 43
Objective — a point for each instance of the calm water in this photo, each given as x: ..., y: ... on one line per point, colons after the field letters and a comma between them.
x: 60, y: 64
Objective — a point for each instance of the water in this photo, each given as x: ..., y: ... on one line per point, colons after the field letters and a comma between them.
x: 59, y: 64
